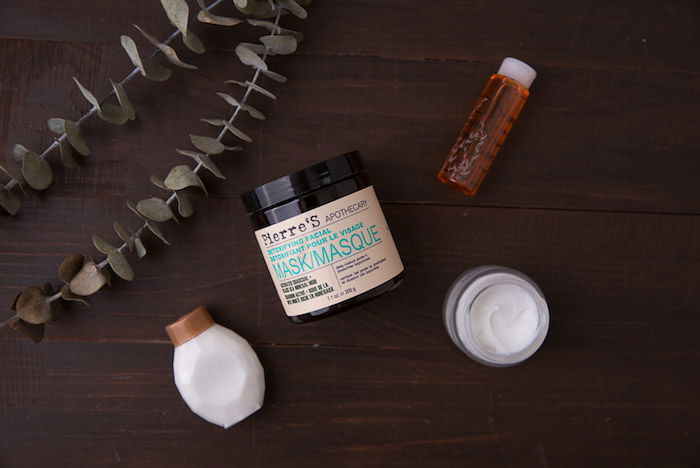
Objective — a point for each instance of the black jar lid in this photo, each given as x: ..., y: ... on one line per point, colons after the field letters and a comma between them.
x: 304, y: 181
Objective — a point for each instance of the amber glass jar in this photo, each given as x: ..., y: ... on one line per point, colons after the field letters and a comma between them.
x: 324, y: 238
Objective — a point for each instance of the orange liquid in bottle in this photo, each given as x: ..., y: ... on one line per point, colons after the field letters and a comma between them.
x: 473, y: 153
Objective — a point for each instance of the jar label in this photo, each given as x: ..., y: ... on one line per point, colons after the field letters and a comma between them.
x: 331, y: 253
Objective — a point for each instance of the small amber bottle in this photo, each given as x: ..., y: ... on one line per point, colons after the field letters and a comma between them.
x: 498, y: 106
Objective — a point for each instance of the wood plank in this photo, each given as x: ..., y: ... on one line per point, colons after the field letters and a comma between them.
x: 612, y: 279
x: 577, y: 33
x: 575, y: 146
x: 110, y: 404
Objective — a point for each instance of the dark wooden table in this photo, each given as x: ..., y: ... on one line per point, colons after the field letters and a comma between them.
x: 595, y: 195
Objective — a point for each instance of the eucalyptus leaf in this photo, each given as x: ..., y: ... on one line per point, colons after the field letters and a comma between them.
x: 276, y: 29
x: 157, y: 72
x: 158, y: 182
x: 294, y: 8
x: 178, y: 13
x: 155, y: 229
x: 13, y: 172
x: 36, y: 171
x: 33, y: 331
x: 283, y: 45
x: 72, y: 131
x: 257, y: 48
x: 67, y: 156
x: 229, y: 99
x: 88, y: 280
x: 181, y: 177
x: 155, y: 209
x: 248, y: 57
x: 206, y: 161
x: 18, y: 152
x: 125, y: 235
x: 132, y: 206
x: 140, y: 249
x: 210, y: 18
x: 120, y: 265
x: 239, y: 133
x: 184, y: 206
x: 102, y: 245
x: 254, y: 113
x: 124, y: 100
x: 255, y: 87
x: 258, y: 9
x: 9, y: 201
x: 88, y: 94
x: 214, y: 122
x: 207, y: 144
x: 168, y: 51
x: 133, y: 52
x: 113, y: 114
x: 33, y: 306
x: 70, y: 266
x: 67, y: 295
x: 193, y: 43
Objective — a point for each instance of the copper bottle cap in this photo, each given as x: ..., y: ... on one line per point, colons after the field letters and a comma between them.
x: 189, y: 325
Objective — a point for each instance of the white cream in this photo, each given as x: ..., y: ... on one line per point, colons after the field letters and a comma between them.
x: 219, y: 376
x: 496, y: 315
x: 504, y: 319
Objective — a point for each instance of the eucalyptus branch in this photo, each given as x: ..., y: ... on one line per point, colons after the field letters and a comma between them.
x: 83, y: 277
x: 36, y: 173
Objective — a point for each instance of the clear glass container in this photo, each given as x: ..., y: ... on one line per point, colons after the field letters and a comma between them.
x: 458, y: 312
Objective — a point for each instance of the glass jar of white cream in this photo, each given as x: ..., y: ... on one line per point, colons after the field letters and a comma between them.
x: 496, y: 315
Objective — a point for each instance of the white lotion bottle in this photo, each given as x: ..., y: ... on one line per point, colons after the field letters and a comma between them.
x: 216, y: 371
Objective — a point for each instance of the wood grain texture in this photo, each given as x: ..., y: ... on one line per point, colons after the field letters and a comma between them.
x: 595, y: 195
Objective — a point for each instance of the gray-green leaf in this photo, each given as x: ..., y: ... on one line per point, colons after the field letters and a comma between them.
x: 132, y: 206
x: 120, y: 265
x: 70, y: 266
x: 88, y: 94
x: 13, y: 172
x: 207, y: 144
x: 193, y: 43
x: 155, y: 229
x: 9, y: 201
x: 67, y: 295
x: 102, y: 245
x: 275, y: 76
x: 184, y: 206
x: 168, y: 51
x: 133, y: 52
x: 156, y: 72
x: 158, y: 182
x: 125, y: 235
x: 18, y: 151
x: 210, y: 18
x: 140, y: 249
x: 36, y: 171
x: 67, y: 156
x: 248, y: 57
x: 155, y: 209
x: 178, y: 13
x: 113, y: 114
x: 181, y: 177
x: 294, y: 8
x: 124, y: 100
x: 254, y: 86
x: 237, y: 132
x: 33, y: 306
x: 72, y: 131
x: 214, y: 122
x: 283, y: 45
x: 88, y: 280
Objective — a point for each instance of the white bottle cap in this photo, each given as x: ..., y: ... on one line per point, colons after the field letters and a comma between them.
x: 519, y: 71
